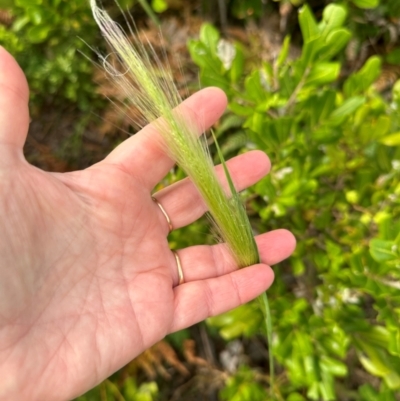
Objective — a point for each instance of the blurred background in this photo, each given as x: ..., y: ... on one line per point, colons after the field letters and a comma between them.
x: 316, y: 86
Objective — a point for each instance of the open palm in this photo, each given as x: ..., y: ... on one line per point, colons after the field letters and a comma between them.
x: 87, y: 279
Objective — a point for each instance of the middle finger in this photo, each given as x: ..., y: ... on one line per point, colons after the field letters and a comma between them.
x: 183, y: 203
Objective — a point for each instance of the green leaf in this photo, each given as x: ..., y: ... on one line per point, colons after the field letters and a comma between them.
x: 323, y: 73
x: 313, y: 391
x: 240, y: 110
x: 38, y: 34
x: 394, y: 342
x: 320, y: 106
x: 297, y: 266
x: 333, y: 366
x: 237, y: 66
x: 295, y: 397
x: 346, y: 108
x: 308, y: 25
x: 159, y: 6
x: 310, y: 51
x: 379, y: 365
x: 366, y: 3
x: 243, y: 386
x: 229, y: 122
x: 383, y: 251
x: 391, y: 140
x: 337, y: 343
x: 334, y: 16
x: 376, y: 129
x: 147, y: 392
x: 203, y: 58
x: 284, y: 51
x: 210, y: 78
x: 377, y: 336
x: 19, y: 23
x: 130, y: 388
x: 363, y: 79
x: 375, y: 365
x: 35, y: 15
x: 210, y: 37
x: 367, y: 393
x: 254, y: 89
x: 335, y: 42
x: 326, y: 387
x: 242, y: 321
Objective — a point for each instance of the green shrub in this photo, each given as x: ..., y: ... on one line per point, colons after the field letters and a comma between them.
x: 256, y: 8
x: 335, y: 183
x: 374, y: 23
x: 45, y: 37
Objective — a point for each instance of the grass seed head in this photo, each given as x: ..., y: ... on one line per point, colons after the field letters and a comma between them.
x: 148, y: 85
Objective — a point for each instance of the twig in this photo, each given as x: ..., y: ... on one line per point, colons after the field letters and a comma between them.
x: 293, y: 96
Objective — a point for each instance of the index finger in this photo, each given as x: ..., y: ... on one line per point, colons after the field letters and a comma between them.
x: 14, y: 96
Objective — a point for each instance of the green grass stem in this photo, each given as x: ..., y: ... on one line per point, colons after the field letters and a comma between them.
x: 263, y: 299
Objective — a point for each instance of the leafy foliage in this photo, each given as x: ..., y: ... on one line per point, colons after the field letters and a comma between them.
x: 45, y: 38
x: 243, y: 387
x: 336, y: 184
x: 127, y: 390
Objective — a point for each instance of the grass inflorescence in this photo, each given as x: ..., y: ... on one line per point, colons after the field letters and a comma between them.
x: 148, y: 86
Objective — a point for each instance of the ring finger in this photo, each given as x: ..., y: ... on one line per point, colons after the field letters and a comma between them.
x: 204, y: 261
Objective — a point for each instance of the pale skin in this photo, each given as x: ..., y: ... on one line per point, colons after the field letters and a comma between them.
x: 87, y: 278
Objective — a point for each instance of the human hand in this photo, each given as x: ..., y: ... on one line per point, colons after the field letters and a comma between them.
x: 87, y: 279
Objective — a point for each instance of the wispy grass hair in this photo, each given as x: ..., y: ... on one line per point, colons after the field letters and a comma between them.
x: 149, y: 86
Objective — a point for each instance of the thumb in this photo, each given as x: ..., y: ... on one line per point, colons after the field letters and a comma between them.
x: 14, y: 112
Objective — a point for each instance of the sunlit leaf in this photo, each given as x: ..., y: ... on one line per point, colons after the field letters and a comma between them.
x: 308, y: 25
x: 323, y: 73
x: 366, y: 3
x: 383, y: 251
x: 391, y: 140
